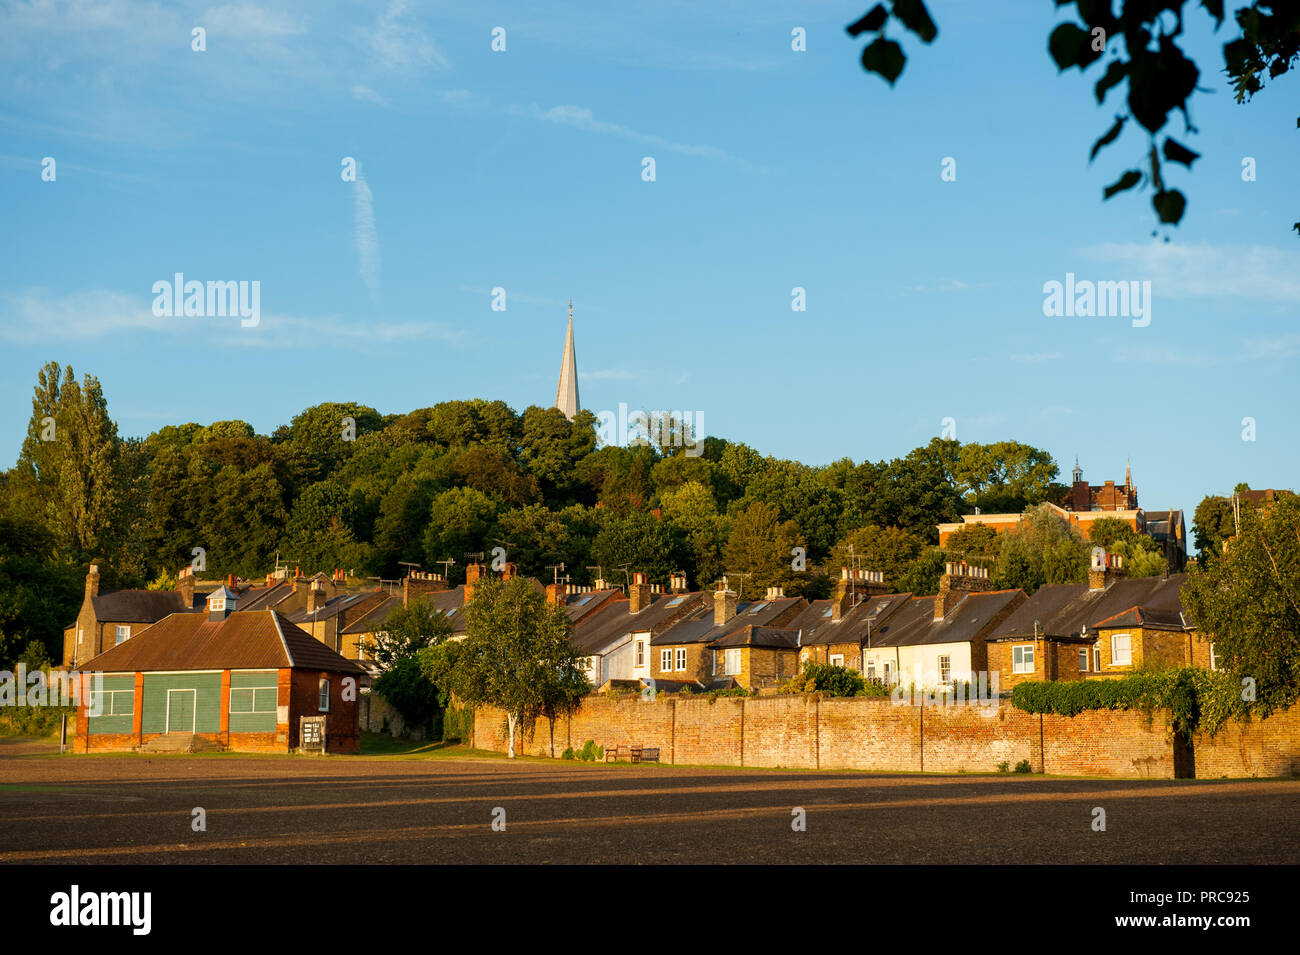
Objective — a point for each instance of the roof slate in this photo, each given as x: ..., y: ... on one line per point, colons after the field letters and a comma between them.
x: 1062, y: 610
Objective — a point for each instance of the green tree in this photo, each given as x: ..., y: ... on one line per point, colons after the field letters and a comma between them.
x: 408, y: 630
x: 639, y: 540
x: 1042, y: 549
x: 518, y: 656
x: 762, y: 545
x: 1248, y: 603
x: 460, y: 522
x: 976, y: 542
x: 890, y: 550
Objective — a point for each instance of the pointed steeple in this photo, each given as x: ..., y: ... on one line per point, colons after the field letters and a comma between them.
x: 1128, y: 473
x: 566, y: 395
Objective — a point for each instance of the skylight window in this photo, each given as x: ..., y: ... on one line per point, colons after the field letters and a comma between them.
x: 579, y: 603
x: 674, y: 602
x: 827, y: 613
x: 757, y: 607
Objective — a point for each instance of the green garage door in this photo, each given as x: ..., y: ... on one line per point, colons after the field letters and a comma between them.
x: 180, y: 711
x: 195, y: 711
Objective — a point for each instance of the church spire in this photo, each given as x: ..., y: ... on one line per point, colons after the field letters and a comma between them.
x: 566, y: 394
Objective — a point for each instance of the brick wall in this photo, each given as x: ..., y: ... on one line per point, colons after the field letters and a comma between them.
x: 877, y: 734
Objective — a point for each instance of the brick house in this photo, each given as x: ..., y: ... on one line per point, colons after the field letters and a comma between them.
x: 833, y: 631
x: 684, y: 650
x: 220, y: 680
x: 1106, y: 627
x: 931, y: 641
x: 613, y: 633
x: 107, y: 619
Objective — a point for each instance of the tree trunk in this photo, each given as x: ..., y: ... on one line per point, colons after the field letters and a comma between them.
x: 510, y: 751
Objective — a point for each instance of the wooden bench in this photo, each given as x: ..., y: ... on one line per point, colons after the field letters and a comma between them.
x: 635, y: 753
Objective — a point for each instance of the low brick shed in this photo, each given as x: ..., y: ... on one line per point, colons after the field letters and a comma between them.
x: 807, y: 732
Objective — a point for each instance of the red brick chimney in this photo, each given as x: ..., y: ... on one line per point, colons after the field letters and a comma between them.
x: 724, y: 604
x: 677, y: 582
x: 508, y: 571
x: 315, y: 598
x: 185, y: 585
x: 473, y: 572
x: 959, y: 579
x: 638, y: 593
x: 1104, y: 570
x: 555, y: 594
x: 416, y: 585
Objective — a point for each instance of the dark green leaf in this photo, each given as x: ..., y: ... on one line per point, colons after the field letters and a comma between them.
x: 873, y: 20
x: 1108, y: 138
x: 1176, y: 152
x: 1067, y: 44
x: 1126, y: 181
x: 916, y: 18
x: 1115, y: 73
x: 1169, y: 205
x: 884, y: 57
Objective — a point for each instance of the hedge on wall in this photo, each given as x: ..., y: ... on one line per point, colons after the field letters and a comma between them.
x: 1198, y: 700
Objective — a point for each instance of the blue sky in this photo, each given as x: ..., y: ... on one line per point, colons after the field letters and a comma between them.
x: 523, y: 170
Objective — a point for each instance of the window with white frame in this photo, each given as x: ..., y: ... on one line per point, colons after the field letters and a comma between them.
x: 1096, y: 659
x: 640, y: 653
x: 1083, y: 661
x: 837, y: 659
x: 253, y: 699
x: 945, y: 669
x: 123, y: 634
x: 1022, y: 659
x: 731, y: 663
x: 323, y: 704
x: 1121, y: 649
x: 681, y: 658
x: 1214, y: 660
x: 665, y: 660
x: 871, y: 669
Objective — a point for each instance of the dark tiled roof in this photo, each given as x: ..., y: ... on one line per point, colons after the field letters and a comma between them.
x: 448, y: 601
x: 914, y: 624
x: 242, y: 641
x: 335, y: 606
x: 698, y: 627
x: 137, y: 606
x: 583, y: 605
x: 1146, y: 617
x: 778, y: 638
x: 819, y: 630
x: 613, y: 620
x: 1062, y: 610
x: 259, y: 598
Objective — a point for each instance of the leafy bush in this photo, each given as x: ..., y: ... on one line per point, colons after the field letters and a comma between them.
x: 1023, y: 766
x: 1198, y: 700
x: 590, y: 752
x: 1004, y: 767
x: 567, y: 754
x: 410, y: 692
x: 828, y: 679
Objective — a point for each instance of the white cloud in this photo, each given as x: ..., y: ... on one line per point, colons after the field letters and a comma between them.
x: 399, y: 43
x: 365, y: 238
x: 36, y: 315
x: 249, y: 21
x: 367, y: 95
x: 580, y: 117
x: 1254, y: 273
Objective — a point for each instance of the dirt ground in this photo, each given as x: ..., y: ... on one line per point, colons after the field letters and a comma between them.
x: 296, y: 809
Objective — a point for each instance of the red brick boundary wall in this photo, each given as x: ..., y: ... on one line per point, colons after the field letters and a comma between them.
x: 805, y: 732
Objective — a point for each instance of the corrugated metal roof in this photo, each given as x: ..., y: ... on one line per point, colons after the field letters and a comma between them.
x: 262, y: 640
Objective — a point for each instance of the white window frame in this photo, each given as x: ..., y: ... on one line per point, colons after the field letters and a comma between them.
x: 1096, y: 659
x: 1214, y: 660
x: 666, y: 660
x: 254, y: 690
x: 323, y: 697
x: 681, y: 658
x: 118, y: 634
x: 871, y: 669
x: 1026, y: 652
x: 837, y: 659
x: 1083, y: 660
x: 727, y: 658
x: 945, y: 668
x: 640, y: 653
x: 1115, y: 650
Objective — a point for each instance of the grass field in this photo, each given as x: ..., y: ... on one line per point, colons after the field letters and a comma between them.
x: 429, y: 803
